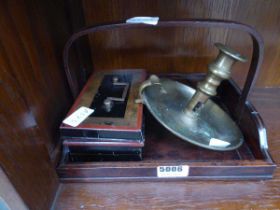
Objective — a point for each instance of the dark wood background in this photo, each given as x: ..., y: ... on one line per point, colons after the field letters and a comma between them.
x: 179, y: 49
x: 35, y: 95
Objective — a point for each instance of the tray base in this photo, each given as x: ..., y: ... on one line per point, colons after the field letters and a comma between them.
x: 164, y: 149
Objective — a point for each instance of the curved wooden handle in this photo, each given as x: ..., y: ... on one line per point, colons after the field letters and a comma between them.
x: 257, y: 56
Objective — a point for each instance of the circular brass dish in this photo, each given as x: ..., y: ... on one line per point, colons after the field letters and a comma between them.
x: 210, y: 128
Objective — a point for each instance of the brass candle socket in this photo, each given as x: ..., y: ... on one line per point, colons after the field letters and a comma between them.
x: 218, y: 70
x: 208, y: 127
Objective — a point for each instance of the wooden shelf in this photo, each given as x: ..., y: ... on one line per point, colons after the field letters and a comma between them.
x: 188, y: 194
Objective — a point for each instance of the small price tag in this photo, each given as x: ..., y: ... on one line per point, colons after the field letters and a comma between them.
x: 172, y: 171
x: 218, y: 143
x: 77, y: 117
x: 145, y: 20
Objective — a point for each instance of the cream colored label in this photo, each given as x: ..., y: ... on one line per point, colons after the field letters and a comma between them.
x: 145, y: 20
x: 173, y: 171
x: 77, y: 117
x: 218, y: 143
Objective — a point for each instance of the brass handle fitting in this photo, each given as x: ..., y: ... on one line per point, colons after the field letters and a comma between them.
x: 153, y: 79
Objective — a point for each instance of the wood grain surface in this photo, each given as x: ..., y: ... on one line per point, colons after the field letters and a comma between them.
x: 32, y: 41
x: 183, y: 49
x: 188, y: 194
x: 34, y: 95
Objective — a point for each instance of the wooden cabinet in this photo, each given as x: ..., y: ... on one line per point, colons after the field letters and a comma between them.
x: 34, y: 93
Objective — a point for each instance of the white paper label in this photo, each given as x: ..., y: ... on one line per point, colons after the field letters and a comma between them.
x: 218, y: 143
x: 145, y: 20
x: 77, y: 117
x: 172, y: 171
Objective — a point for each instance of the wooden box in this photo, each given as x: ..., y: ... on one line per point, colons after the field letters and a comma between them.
x: 113, y: 132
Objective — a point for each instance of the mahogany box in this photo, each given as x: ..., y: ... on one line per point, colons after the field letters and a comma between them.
x: 114, y: 131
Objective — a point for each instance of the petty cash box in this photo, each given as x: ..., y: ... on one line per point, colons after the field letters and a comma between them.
x: 114, y: 129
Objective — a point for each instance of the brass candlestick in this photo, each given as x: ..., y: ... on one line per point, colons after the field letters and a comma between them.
x: 184, y: 111
x: 218, y: 70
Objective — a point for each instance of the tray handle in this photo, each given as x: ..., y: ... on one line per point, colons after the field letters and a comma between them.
x: 256, y: 61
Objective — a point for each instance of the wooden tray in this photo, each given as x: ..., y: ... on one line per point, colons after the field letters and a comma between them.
x: 250, y: 161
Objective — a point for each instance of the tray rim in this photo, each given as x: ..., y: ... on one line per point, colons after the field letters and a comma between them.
x: 140, y: 170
